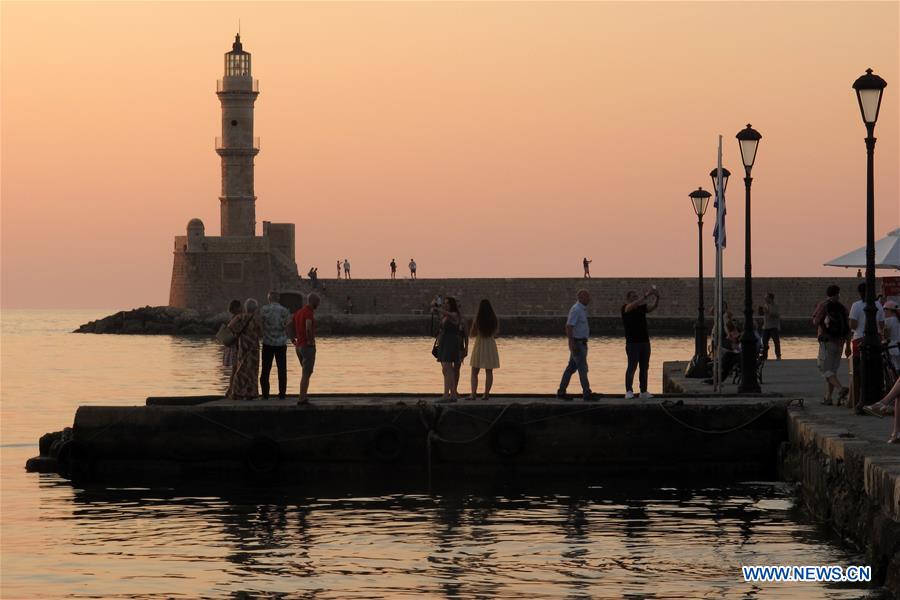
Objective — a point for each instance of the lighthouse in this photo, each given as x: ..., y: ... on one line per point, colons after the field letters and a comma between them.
x: 237, y: 92
x: 207, y: 270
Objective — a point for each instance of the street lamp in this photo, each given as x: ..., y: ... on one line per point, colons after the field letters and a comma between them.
x: 748, y: 139
x: 699, y: 365
x: 869, y: 89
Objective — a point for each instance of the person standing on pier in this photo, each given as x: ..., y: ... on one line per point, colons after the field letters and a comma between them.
x: 346, y: 269
x: 275, y: 319
x: 412, y: 268
x: 339, y: 268
x: 393, y: 268
x: 587, y: 267
x: 771, y: 325
x: 858, y: 325
x: 305, y: 343
x: 450, y: 348
x: 246, y: 327
x: 637, y: 339
x: 484, y: 349
x: 577, y: 332
x: 833, y: 331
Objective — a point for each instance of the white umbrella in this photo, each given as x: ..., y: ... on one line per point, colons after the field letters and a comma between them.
x: 887, y: 254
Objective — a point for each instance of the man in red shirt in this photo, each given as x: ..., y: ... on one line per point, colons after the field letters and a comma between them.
x: 305, y: 343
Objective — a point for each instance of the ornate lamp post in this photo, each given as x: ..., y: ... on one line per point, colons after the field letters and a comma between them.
x: 699, y: 366
x: 749, y: 141
x: 869, y: 89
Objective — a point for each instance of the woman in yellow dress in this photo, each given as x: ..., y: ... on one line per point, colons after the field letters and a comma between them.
x: 484, y: 351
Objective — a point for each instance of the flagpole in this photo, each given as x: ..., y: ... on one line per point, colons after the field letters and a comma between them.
x: 720, y: 294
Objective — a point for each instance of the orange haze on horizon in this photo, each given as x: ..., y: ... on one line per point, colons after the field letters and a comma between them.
x: 483, y: 139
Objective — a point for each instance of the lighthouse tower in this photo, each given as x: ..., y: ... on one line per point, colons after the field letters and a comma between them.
x: 237, y: 91
x: 208, y: 271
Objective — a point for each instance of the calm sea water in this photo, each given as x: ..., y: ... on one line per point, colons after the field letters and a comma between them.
x: 614, y: 540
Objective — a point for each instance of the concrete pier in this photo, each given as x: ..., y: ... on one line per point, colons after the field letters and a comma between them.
x: 414, y: 440
x: 849, y: 476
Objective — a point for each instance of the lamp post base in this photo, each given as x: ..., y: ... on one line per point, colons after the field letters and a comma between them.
x: 700, y: 367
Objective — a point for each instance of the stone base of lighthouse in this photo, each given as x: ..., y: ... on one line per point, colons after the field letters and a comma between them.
x: 209, y: 272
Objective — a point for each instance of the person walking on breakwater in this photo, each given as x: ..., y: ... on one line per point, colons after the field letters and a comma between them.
x: 484, y: 349
x: 346, y: 269
x: 450, y: 346
x: 246, y: 327
x: 305, y: 343
x: 771, y: 325
x: 412, y: 268
x: 393, y: 268
x: 275, y: 319
x: 587, y: 267
x: 229, y: 357
x: 637, y: 339
x: 577, y: 332
x: 833, y: 332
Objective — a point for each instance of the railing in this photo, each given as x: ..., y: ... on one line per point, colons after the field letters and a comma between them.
x: 220, y: 144
x: 237, y: 85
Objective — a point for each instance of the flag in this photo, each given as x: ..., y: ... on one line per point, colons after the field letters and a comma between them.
x: 719, y: 229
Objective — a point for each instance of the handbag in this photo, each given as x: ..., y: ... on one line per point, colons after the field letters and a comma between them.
x: 436, y: 349
x: 226, y: 337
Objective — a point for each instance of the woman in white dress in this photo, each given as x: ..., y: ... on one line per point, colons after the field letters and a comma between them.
x: 484, y: 351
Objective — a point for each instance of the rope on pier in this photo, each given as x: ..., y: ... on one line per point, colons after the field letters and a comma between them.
x: 432, y: 434
x: 665, y: 404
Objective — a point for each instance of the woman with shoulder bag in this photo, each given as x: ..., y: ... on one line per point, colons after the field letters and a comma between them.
x: 450, y: 346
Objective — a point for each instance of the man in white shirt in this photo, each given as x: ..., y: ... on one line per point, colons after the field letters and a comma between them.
x: 858, y: 325
x: 412, y: 268
x: 577, y: 332
x: 346, y: 269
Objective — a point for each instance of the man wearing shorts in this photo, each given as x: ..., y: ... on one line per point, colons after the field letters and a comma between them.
x: 305, y: 343
x: 833, y: 330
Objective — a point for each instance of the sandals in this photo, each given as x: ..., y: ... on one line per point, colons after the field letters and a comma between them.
x: 876, y: 410
x: 894, y: 439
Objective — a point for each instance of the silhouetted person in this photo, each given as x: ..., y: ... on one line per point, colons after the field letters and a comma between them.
x: 305, y: 343
x: 484, y: 349
x: 833, y: 331
x: 348, y: 306
x: 587, y: 267
x: 637, y: 339
x: 393, y: 268
x: 412, y: 268
x: 339, y: 268
x: 275, y: 319
x: 577, y: 332
x: 346, y: 269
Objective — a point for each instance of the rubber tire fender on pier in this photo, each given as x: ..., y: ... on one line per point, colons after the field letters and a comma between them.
x: 71, y: 461
x: 388, y: 443
x: 263, y: 455
x: 508, y: 439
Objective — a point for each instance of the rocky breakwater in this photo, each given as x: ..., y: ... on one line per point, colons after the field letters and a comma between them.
x: 157, y: 320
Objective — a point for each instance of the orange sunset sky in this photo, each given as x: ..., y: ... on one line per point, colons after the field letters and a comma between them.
x: 481, y: 138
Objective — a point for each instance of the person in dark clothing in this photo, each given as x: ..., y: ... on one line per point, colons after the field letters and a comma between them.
x: 637, y: 338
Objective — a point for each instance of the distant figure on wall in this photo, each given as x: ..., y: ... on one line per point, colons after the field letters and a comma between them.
x: 484, y: 349
x: 314, y: 277
x: 305, y: 343
x: 348, y: 306
x: 771, y: 325
x: 246, y: 327
x: 346, y: 269
x: 339, y: 268
x: 412, y: 268
x: 393, y: 268
x: 637, y: 339
x: 577, y: 332
x: 229, y: 357
x: 587, y: 267
x: 859, y: 273
x: 275, y: 319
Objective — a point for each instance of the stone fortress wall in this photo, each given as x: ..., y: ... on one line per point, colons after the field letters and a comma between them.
x: 797, y: 296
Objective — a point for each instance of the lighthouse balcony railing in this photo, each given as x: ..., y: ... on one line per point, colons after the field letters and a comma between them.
x: 234, y: 145
x: 237, y: 84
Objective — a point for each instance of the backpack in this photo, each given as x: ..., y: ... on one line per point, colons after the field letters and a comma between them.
x: 837, y: 323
